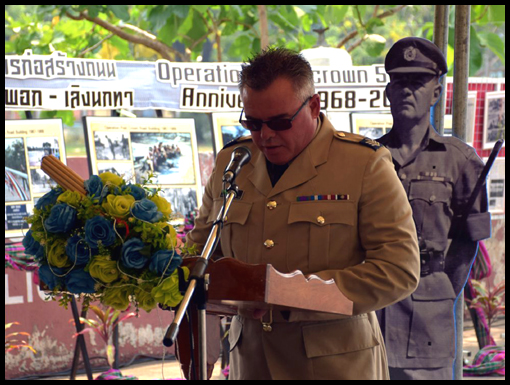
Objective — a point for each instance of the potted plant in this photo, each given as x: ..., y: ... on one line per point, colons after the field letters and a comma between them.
x: 103, y: 325
x: 11, y: 344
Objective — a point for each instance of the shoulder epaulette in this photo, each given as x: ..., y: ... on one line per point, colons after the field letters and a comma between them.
x: 237, y: 140
x: 355, y: 138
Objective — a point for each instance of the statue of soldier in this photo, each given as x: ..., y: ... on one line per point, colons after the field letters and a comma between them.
x: 439, y: 174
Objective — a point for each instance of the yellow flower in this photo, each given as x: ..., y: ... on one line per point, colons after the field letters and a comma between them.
x: 162, y: 204
x: 145, y: 299
x: 103, y: 269
x: 116, y: 297
x: 72, y: 198
x: 111, y: 178
x: 171, y: 238
x: 167, y: 292
x: 118, y: 205
x: 57, y: 253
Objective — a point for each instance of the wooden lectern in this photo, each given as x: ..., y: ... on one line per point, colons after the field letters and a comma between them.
x: 236, y: 285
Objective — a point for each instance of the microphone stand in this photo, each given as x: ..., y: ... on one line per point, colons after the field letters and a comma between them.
x: 199, y: 283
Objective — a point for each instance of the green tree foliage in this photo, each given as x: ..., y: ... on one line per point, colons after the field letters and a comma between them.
x: 234, y: 32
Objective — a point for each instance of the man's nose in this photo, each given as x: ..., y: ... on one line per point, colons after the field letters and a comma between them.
x: 266, y: 133
x: 406, y: 90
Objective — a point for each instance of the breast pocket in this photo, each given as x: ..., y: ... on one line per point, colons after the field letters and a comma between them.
x: 431, y: 202
x: 234, y: 235
x: 317, y: 230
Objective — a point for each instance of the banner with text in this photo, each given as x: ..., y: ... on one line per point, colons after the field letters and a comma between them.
x: 56, y: 82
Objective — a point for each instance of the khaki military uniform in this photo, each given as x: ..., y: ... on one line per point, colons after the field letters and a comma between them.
x: 338, y: 211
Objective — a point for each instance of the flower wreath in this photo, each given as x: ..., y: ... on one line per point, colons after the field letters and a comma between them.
x: 114, y: 245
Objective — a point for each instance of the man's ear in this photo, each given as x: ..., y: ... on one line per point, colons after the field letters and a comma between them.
x: 315, y: 105
x: 437, y: 94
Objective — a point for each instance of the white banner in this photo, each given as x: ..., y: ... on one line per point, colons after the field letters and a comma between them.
x: 55, y: 82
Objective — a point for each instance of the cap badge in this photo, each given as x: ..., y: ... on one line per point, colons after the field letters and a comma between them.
x: 410, y: 53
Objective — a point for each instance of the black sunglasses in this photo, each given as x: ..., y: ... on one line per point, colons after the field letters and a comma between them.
x: 274, y: 124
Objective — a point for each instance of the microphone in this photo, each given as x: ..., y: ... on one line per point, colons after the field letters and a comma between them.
x: 240, y: 157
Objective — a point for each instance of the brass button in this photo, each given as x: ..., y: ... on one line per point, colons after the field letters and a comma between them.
x: 321, y: 220
x: 271, y: 205
x: 269, y: 244
x: 341, y: 134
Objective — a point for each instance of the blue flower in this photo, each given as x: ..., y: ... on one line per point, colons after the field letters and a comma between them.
x: 78, y: 251
x: 133, y: 254
x: 32, y: 247
x: 49, y: 278
x: 146, y: 210
x: 136, y: 191
x: 94, y: 187
x: 165, y: 261
x: 79, y: 281
x: 50, y: 198
x: 99, y: 229
x: 61, y: 220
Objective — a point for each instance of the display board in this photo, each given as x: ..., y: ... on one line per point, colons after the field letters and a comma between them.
x: 371, y: 125
x: 134, y: 148
x: 26, y: 142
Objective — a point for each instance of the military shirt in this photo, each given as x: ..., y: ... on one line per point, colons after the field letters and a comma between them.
x: 438, y: 179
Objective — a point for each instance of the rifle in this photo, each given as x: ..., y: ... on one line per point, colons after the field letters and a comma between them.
x: 478, y: 186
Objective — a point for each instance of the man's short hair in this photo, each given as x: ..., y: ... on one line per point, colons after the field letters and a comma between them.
x: 260, y: 71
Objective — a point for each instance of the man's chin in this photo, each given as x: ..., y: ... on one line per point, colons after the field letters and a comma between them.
x: 276, y: 156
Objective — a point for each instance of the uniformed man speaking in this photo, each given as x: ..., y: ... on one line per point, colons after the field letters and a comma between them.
x: 316, y: 200
x: 439, y: 174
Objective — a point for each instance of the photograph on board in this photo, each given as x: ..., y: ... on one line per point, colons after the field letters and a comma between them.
x: 494, y: 119
x: 39, y: 147
x: 168, y: 156
x: 16, y: 171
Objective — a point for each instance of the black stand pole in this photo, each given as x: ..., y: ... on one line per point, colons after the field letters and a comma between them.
x: 80, y: 344
x: 198, y: 282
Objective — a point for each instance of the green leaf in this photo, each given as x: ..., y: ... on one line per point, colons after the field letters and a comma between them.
x: 181, y: 11
x: 229, y: 29
x: 123, y: 47
x: 494, y: 43
x: 100, y: 314
x: 373, y: 23
x: 374, y: 45
x: 307, y: 22
x: 479, y: 14
x: 496, y: 14
x: 197, y: 30
x: 335, y: 14
x: 202, y: 8
x: 120, y: 11
x: 475, y: 53
x: 362, y: 9
x: 110, y: 353
x: 239, y: 45
x: 93, y: 10
x: 168, y: 33
x: 255, y: 47
x: 159, y: 16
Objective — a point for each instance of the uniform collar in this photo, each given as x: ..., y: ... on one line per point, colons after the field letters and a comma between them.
x: 431, y: 141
